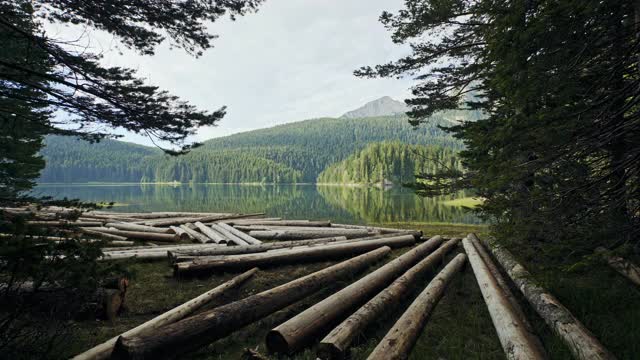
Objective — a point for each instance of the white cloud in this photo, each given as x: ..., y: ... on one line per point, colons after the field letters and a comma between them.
x: 291, y: 61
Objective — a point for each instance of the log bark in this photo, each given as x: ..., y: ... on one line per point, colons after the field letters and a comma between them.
x: 231, y: 237
x: 193, y: 219
x: 136, y: 227
x: 382, y: 230
x: 306, y: 234
x: 266, y: 222
x: 399, y: 341
x: 582, y: 343
x: 139, y: 234
x: 199, y: 330
x: 103, y: 351
x: 159, y: 252
x: 328, y: 252
x: 189, y: 229
x: 622, y: 266
x: 240, y: 234
x: 336, y: 344
x: 210, y: 233
x: 181, y: 233
x: 103, y: 235
x: 517, y: 342
x: 64, y: 223
x: 293, y: 334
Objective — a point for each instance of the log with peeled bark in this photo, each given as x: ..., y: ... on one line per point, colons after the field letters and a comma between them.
x: 306, y: 234
x: 189, y: 229
x: 327, y: 252
x: 582, y: 343
x: 64, y: 223
x: 231, y: 237
x: 336, y: 344
x: 210, y: 233
x: 308, y: 223
x: 121, y: 243
x: 103, y: 351
x: 153, y: 253
x: 517, y: 342
x: 201, y: 329
x: 622, y: 266
x: 399, y: 341
x: 193, y: 219
x: 103, y: 235
x: 291, y: 335
x: 382, y: 230
x: 136, y: 227
x: 240, y: 234
x: 139, y: 234
x: 109, y: 218
x: 143, y: 248
x: 181, y: 233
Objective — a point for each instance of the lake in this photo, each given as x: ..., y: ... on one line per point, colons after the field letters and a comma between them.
x: 341, y: 204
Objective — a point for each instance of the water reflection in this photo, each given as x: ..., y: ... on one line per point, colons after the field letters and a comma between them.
x: 338, y: 203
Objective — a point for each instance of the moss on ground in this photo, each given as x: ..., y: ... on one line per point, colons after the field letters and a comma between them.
x: 459, y: 328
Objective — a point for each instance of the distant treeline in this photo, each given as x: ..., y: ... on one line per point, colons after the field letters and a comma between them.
x: 290, y: 153
x: 390, y: 161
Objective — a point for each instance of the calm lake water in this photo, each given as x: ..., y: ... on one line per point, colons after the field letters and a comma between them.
x: 346, y: 204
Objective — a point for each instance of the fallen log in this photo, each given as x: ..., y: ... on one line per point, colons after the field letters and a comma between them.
x: 306, y: 234
x: 307, y: 223
x: 103, y: 235
x: 582, y: 343
x: 291, y: 335
x: 231, y: 237
x: 516, y: 341
x: 109, y: 218
x: 382, y: 230
x: 181, y: 233
x: 399, y: 341
x: 136, y: 227
x: 120, y: 243
x: 210, y: 233
x: 280, y: 258
x: 138, y: 234
x: 240, y: 234
x: 189, y: 229
x: 199, y: 330
x: 64, y: 223
x: 622, y: 266
x: 192, y: 219
x: 336, y: 344
x: 103, y: 351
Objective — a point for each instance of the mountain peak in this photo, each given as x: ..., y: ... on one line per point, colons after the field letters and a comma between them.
x: 379, y: 107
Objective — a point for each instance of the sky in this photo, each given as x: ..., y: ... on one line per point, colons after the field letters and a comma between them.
x: 291, y: 61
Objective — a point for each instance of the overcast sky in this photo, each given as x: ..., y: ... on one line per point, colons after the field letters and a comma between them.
x: 293, y: 60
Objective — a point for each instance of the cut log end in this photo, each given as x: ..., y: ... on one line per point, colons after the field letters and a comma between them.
x: 276, y: 343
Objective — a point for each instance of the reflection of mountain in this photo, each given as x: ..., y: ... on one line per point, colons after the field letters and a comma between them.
x: 375, y: 205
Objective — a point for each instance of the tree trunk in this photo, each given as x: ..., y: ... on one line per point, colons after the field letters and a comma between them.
x: 622, y: 266
x: 139, y: 234
x: 240, y: 234
x: 399, y: 341
x: 64, y: 223
x: 307, y: 234
x: 199, y: 330
x: 188, y: 228
x: 103, y: 235
x: 103, y: 351
x: 193, y: 219
x: 517, y: 342
x: 136, y: 227
x: 211, y: 234
x: 281, y: 222
x: 336, y: 344
x: 181, y: 233
x: 296, y: 332
x: 229, y: 235
x: 576, y: 336
x: 328, y: 252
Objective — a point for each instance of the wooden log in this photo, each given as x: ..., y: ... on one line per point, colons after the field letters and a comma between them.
x: 306, y: 234
x: 251, y: 249
x: 103, y: 235
x: 161, y: 248
x: 336, y: 344
x: 181, y: 233
x: 121, y: 242
x: 210, y: 233
x: 199, y: 330
x: 516, y: 341
x: 150, y: 254
x: 64, y: 223
x: 202, y: 219
x: 582, y: 343
x: 307, y: 223
x: 294, y: 256
x: 136, y: 227
x: 103, y: 351
x: 109, y: 218
x: 240, y: 234
x: 189, y: 229
x: 399, y: 341
x: 506, y: 289
x: 139, y: 234
x: 622, y: 266
x: 231, y: 237
x: 382, y: 230
x: 291, y: 335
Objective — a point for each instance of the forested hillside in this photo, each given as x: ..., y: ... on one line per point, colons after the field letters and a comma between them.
x: 390, y: 161
x: 295, y: 152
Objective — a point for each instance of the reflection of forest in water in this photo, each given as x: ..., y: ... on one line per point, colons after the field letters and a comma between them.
x: 337, y: 203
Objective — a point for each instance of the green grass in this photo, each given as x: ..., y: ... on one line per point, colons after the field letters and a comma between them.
x: 469, y: 202
x: 459, y: 327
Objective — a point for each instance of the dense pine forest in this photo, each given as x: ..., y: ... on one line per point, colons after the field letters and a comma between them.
x: 394, y: 162
x: 290, y: 153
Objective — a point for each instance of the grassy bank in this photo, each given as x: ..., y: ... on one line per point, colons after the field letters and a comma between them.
x: 459, y: 328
